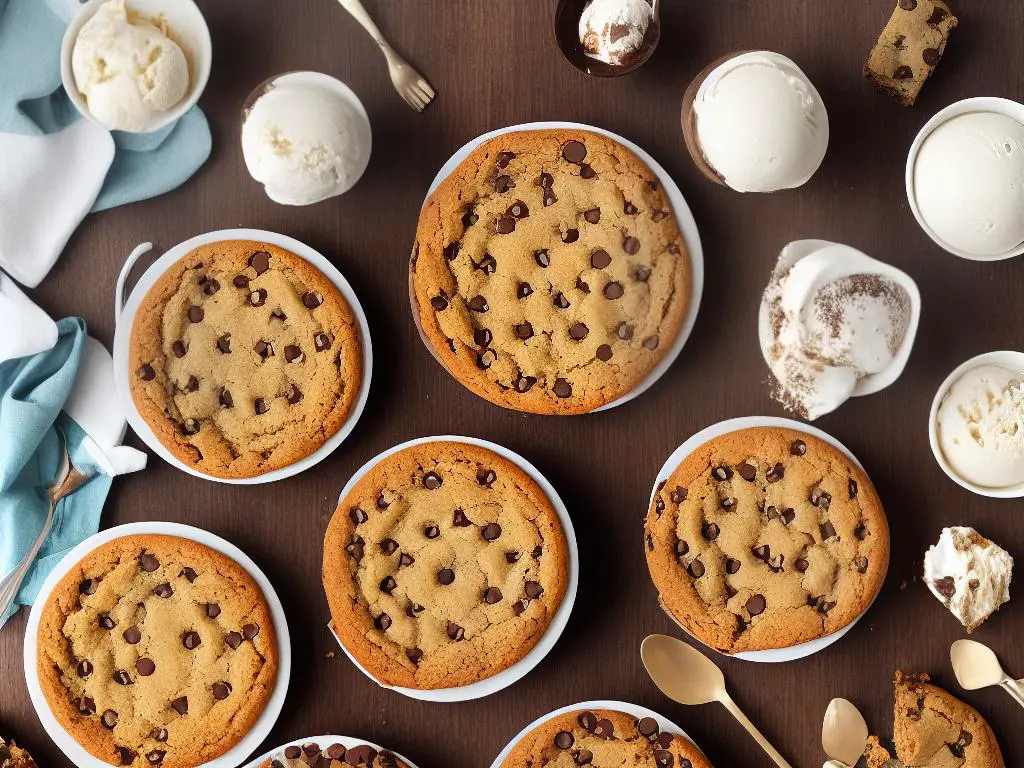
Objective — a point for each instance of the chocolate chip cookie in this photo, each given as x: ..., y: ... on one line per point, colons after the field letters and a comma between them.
x: 156, y: 650
x: 245, y: 358
x: 549, y: 274
x: 444, y: 565
x: 766, y: 538
x: 603, y: 739
x: 13, y: 756
x: 935, y: 730
x: 333, y: 756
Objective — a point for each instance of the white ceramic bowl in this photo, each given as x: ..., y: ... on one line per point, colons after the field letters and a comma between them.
x: 1000, y: 106
x: 264, y: 723
x: 1004, y: 359
x: 774, y: 655
x: 618, y: 706
x: 187, y: 28
x: 684, y: 219
x: 124, y: 315
x: 521, y: 668
x: 324, y: 741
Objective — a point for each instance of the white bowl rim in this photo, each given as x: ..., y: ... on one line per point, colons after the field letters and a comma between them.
x: 122, y: 334
x: 525, y: 665
x: 773, y: 655
x: 321, y: 741
x: 1003, y: 358
x: 994, y: 104
x: 201, y: 59
x: 267, y: 718
x: 635, y: 710
x: 684, y: 220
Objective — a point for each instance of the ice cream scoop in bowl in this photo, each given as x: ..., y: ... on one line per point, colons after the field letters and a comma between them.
x: 104, y: 41
x: 607, y: 38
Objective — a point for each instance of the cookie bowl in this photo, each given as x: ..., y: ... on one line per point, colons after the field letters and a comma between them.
x: 256, y: 385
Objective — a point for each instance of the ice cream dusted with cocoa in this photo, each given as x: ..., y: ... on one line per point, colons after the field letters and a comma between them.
x: 834, y: 324
x: 969, y: 574
x: 612, y: 31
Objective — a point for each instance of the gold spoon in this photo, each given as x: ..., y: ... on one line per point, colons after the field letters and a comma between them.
x: 976, y: 666
x: 687, y: 676
x: 843, y: 734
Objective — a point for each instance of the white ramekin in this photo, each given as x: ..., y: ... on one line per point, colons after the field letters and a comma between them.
x: 124, y: 315
x: 774, y: 655
x: 521, y: 668
x: 1004, y: 359
x: 188, y: 29
x: 684, y: 219
x: 264, y: 723
x: 616, y: 706
x: 993, y: 104
x: 323, y: 742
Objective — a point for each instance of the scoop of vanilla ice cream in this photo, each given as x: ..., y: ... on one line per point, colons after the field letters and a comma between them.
x: 128, y: 70
x: 304, y: 141
x: 981, y: 426
x: 760, y: 122
x: 612, y: 30
x: 969, y: 574
x: 969, y: 183
x: 831, y: 317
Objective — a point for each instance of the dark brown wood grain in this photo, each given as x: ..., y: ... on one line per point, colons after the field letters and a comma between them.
x: 495, y: 63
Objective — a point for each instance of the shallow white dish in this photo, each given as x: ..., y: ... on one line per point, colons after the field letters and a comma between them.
x: 774, y: 655
x: 684, y: 219
x: 324, y: 741
x: 547, y: 641
x: 187, y: 28
x: 1000, y: 106
x: 619, y: 706
x: 124, y: 316
x: 1005, y: 359
x: 264, y: 723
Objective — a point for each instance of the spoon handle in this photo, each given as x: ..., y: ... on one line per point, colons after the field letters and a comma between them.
x: 772, y: 752
x: 1016, y: 690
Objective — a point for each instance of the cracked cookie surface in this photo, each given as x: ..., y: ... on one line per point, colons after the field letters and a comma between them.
x: 244, y: 358
x: 156, y: 650
x: 766, y: 538
x: 333, y: 756
x: 444, y: 565
x: 603, y: 739
x: 549, y: 274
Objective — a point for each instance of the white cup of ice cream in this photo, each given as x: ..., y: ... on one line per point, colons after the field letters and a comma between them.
x: 99, y: 77
x: 976, y: 425
x: 963, y: 178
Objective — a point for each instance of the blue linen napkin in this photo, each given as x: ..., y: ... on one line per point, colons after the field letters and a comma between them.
x: 32, y: 392
x: 32, y: 102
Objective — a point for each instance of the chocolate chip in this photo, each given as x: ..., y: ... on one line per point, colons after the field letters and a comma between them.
x: 631, y: 245
x: 651, y: 342
x: 581, y: 285
x: 105, y: 621
x: 776, y: 473
x: 583, y: 757
x: 179, y: 349
x: 505, y: 225
x: 260, y: 406
x: 192, y: 385
x: 613, y: 290
x: 604, y: 353
x: 678, y: 495
x: 504, y: 158
x: 459, y: 519
x: 600, y: 259
x: 486, y: 359
x: 109, y: 719
x: 126, y: 756
x: 564, y: 740
x: 523, y: 290
x: 550, y: 198
x: 123, y: 678
x: 221, y: 690
x: 545, y: 180
x: 147, y: 562
x: 696, y: 569
x: 624, y: 331
x: 908, y: 5
x: 512, y: 556
x: 747, y: 471
x: 938, y: 14
x: 492, y: 596
x: 431, y: 531
x: 604, y: 729
x: 663, y: 758
x: 523, y: 384
x: 155, y: 756
x: 233, y: 640
x: 321, y: 341
x: 903, y: 73
x: 455, y: 632
x: 587, y: 721
x: 629, y: 209
x: 861, y: 532
x: 312, y: 299
x: 788, y: 516
x: 710, y: 531
x: 226, y: 401
x: 503, y: 183
x: 488, y: 265
x: 258, y: 297
x: 570, y: 236
x: 210, y: 286
x: 293, y: 752
x: 85, y: 705
x: 191, y: 640
x: 164, y: 590
x: 828, y: 531
x: 355, y: 549
x: 445, y: 577
x: 578, y: 331
x: 405, y: 560
x: 518, y: 209
x: 755, y: 605
x: 946, y: 586
x: 240, y: 281
x: 361, y: 755
x: 491, y: 532
x: 560, y: 301
x: 413, y: 610
x: 732, y: 566
x: 562, y: 388
x: 414, y: 655
x: 851, y: 488
x: 861, y: 563
x: 145, y: 667
x: 132, y: 636
x: 798, y: 448
x: 195, y: 314
x: 682, y: 549
x: 801, y: 564
x: 260, y: 262
x: 249, y: 631
x: 388, y: 584
x: 574, y: 151
x: 762, y: 552
x: 658, y: 215
x: 524, y: 331
x: 146, y: 372
x: 931, y: 56
x: 478, y: 304
x: 486, y: 477
x: 180, y: 705
x: 84, y: 668
x: 592, y: 216
x: 212, y: 610
x: 722, y: 473
x: 647, y: 727
x: 533, y: 589
x: 820, y: 498
x: 642, y: 273
x: 586, y: 172
x: 158, y: 734
x: 728, y: 503
x: 263, y: 349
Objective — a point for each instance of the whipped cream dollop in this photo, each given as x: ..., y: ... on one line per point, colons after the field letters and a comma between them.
x: 969, y: 574
x: 761, y: 124
x: 981, y: 426
x: 128, y: 69
x: 834, y: 323
x: 305, y: 139
x: 613, y: 30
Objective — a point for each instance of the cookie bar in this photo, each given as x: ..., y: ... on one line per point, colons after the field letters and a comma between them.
x: 156, y: 650
x: 909, y: 48
x: 313, y: 755
x: 245, y: 358
x: 444, y: 565
x: 766, y: 538
x: 549, y: 274
x: 603, y: 739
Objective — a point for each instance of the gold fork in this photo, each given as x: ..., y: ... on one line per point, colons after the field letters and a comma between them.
x: 409, y: 83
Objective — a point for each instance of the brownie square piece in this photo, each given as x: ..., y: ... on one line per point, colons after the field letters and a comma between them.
x: 909, y: 48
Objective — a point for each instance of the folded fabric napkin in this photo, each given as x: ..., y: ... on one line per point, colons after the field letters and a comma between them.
x: 75, y: 374
x: 55, y: 166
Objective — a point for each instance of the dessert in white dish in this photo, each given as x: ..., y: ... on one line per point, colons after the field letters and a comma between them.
x: 612, y: 31
x: 969, y: 574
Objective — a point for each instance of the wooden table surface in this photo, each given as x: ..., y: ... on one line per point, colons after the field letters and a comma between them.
x: 494, y: 63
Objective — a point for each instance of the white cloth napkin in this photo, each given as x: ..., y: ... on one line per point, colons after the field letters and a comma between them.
x: 24, y: 328
x: 47, y: 186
